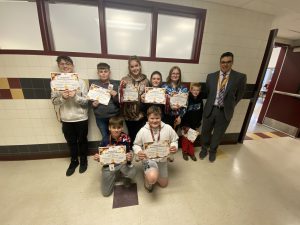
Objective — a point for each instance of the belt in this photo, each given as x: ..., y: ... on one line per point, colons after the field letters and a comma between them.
x: 219, y: 107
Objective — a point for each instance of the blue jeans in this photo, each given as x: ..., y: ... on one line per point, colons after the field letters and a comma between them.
x: 102, y: 124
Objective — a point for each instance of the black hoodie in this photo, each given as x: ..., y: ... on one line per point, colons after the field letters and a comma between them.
x: 193, y: 116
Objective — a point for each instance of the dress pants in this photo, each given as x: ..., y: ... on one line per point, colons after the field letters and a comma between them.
x: 213, y: 129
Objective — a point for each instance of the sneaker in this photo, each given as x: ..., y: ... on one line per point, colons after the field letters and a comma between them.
x: 193, y: 157
x: 83, y: 165
x: 72, y: 168
x: 212, y: 156
x: 185, y: 156
x: 171, y: 158
x: 126, y: 182
x: 149, y: 188
x: 202, y: 154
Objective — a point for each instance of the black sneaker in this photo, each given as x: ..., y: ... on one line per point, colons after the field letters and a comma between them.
x: 202, y: 154
x: 126, y: 182
x: 72, y: 168
x: 83, y: 165
x: 193, y: 157
x: 185, y: 156
x: 212, y: 157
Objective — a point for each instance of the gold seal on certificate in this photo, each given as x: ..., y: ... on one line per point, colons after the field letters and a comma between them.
x: 130, y: 94
x: 179, y: 99
x: 64, y: 81
x: 191, y: 135
x: 158, y: 149
x: 112, y: 154
x: 102, y: 95
x: 155, y: 95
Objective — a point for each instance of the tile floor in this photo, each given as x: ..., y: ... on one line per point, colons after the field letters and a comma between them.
x: 253, y: 125
x: 255, y: 183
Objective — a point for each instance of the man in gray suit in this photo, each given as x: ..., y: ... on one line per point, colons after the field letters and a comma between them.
x: 225, y: 88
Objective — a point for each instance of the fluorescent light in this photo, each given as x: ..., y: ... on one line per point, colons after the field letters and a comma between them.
x: 125, y: 25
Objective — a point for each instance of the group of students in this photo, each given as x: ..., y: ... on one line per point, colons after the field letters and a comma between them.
x: 145, y: 122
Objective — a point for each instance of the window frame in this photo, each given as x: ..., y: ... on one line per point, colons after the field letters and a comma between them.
x: 154, y: 8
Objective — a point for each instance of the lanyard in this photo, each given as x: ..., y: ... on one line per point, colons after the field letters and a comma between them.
x: 152, y: 134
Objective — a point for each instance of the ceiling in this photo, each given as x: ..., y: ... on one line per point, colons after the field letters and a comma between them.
x: 286, y: 12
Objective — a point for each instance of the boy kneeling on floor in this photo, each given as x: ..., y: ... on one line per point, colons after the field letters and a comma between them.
x: 127, y: 170
x: 155, y: 170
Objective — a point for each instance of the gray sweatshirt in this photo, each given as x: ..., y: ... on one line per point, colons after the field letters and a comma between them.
x: 72, y: 109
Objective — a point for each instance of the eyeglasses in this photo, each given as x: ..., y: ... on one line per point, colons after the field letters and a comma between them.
x: 65, y: 64
x: 226, y: 62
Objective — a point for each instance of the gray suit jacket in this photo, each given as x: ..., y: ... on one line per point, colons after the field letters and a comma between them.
x: 233, y: 94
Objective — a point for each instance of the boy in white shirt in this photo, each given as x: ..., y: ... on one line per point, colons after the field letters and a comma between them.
x: 155, y: 170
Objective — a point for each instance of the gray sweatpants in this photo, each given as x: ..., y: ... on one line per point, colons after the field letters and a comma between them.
x: 108, y: 178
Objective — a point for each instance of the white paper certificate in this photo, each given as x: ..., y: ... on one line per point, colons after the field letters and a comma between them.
x: 102, y: 95
x: 191, y: 135
x: 64, y: 81
x: 130, y: 94
x: 179, y: 99
x: 158, y: 149
x: 155, y: 95
x: 112, y: 154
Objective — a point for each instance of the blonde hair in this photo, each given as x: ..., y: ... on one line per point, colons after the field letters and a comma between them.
x: 198, y: 85
x: 134, y: 58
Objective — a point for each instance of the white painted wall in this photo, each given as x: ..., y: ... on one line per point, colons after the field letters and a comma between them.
x: 227, y: 28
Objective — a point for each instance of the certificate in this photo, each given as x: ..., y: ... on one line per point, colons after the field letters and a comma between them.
x: 130, y: 94
x: 64, y: 81
x: 191, y: 135
x: 155, y: 95
x: 102, y: 95
x: 158, y: 149
x: 179, y: 99
x: 112, y: 154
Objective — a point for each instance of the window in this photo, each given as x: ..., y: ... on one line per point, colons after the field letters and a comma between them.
x: 128, y: 32
x: 175, y: 37
x: 19, y: 25
x: 75, y: 28
x: 103, y: 28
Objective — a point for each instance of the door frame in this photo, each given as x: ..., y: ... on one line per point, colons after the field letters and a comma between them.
x: 262, y: 70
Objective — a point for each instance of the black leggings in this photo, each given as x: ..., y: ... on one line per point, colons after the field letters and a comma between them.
x: 76, y: 136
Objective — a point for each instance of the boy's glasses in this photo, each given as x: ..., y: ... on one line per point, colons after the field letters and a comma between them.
x: 66, y: 64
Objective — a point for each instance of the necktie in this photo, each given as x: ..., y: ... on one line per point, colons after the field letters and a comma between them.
x: 222, y: 86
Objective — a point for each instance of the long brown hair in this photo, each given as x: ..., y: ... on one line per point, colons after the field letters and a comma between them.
x: 156, y: 73
x: 170, y: 73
